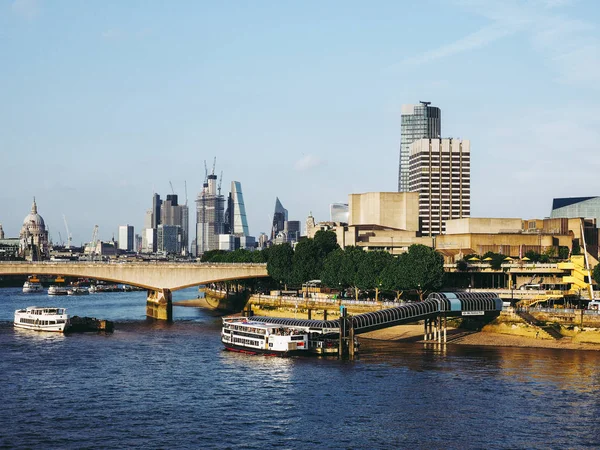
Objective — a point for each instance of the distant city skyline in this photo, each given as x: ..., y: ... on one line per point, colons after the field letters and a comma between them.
x: 105, y: 104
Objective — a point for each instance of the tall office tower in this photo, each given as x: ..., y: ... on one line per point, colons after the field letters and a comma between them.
x: 137, y: 243
x: 156, y: 204
x: 440, y: 171
x: 338, y: 212
x: 173, y: 213
x: 417, y: 121
x: 126, y: 237
x: 168, y: 239
x: 279, y: 218
x: 209, y: 216
x: 292, y: 230
x: 240, y: 222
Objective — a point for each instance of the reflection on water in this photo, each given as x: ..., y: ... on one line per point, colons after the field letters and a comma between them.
x: 41, y: 336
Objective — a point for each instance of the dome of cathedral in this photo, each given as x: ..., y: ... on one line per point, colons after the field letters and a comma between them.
x: 34, y: 217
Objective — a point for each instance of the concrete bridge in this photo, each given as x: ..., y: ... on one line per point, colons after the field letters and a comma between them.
x: 159, y: 278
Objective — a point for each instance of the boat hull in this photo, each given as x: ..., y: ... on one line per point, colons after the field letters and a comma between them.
x: 258, y: 351
x: 57, y: 328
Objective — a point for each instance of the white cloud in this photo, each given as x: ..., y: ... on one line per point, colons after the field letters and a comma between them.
x: 28, y: 9
x: 307, y: 162
x: 571, y: 46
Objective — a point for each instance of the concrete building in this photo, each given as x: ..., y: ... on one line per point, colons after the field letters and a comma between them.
x: 399, y: 210
x: 440, y: 171
x: 149, y: 240
x: 417, y: 121
x: 380, y: 221
x: 514, y: 237
x: 209, y: 217
x: 586, y: 207
x: 126, y: 238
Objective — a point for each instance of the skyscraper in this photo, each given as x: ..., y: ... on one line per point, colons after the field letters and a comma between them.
x: 209, y: 216
x: 440, y: 171
x: 175, y: 214
x: 279, y: 218
x: 240, y: 223
x: 126, y: 237
x: 417, y: 121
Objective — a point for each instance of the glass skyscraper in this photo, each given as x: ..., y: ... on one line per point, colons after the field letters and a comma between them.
x: 417, y: 122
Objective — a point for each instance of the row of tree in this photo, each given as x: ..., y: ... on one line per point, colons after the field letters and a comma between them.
x: 421, y: 269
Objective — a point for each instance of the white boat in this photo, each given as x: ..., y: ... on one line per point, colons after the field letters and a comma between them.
x: 32, y: 285
x: 42, y: 318
x: 248, y: 336
x: 78, y: 290
x: 57, y: 290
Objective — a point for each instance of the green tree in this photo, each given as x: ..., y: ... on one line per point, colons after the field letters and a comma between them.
x: 371, y: 269
x: 424, y: 268
x: 596, y: 274
x: 497, y: 260
x: 394, y: 278
x: 563, y: 252
x: 462, y: 265
x: 307, y: 262
x: 279, y: 265
x: 326, y: 242
x: 331, y: 274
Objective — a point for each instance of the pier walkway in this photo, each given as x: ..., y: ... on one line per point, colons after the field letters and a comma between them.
x: 434, y: 311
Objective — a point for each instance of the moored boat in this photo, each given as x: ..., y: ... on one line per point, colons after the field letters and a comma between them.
x: 57, y: 290
x: 248, y: 336
x: 32, y: 285
x: 78, y: 290
x: 42, y: 318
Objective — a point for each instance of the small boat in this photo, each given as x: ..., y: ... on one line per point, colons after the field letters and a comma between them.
x: 78, y: 290
x: 32, y: 285
x: 57, y: 290
x: 42, y: 318
x: 247, y: 336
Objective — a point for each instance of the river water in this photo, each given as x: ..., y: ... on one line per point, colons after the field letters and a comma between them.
x: 157, y: 385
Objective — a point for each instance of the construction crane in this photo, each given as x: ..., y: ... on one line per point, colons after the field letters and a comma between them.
x: 205, y: 172
x: 220, y: 181
x: 69, y: 237
x: 91, y: 249
x: 172, y: 190
x: 214, y: 164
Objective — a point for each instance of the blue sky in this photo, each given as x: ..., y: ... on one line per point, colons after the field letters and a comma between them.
x: 104, y: 103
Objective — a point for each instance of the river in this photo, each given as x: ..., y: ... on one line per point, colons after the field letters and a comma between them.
x: 158, y: 385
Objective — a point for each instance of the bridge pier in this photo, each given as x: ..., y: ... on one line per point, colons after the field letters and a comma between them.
x: 159, y: 304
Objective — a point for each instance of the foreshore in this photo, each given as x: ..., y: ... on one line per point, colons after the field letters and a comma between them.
x: 414, y: 332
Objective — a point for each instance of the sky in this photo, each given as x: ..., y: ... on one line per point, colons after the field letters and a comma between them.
x: 104, y: 103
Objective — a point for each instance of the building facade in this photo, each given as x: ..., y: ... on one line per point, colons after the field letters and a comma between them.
x: 34, y: 245
x: 586, y: 207
x: 280, y: 216
x: 209, y: 217
x: 168, y: 239
x: 339, y: 212
x: 174, y: 214
x: 440, y: 171
x: 417, y: 121
x: 126, y: 238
